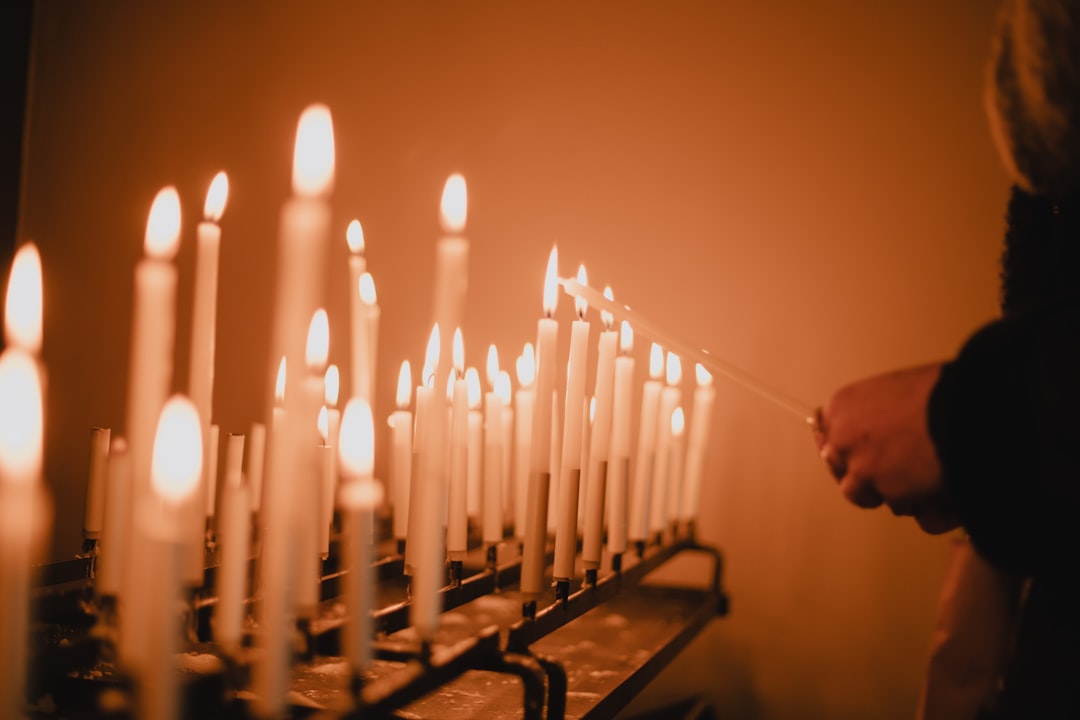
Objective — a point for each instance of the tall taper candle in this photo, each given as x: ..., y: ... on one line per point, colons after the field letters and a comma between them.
x: 256, y: 460
x: 370, y: 305
x: 504, y: 390
x: 524, y: 400
x: 116, y: 534
x: 670, y: 397
x: 457, y: 518
x: 491, y: 499
x: 401, y: 460
x: 619, y: 451
x: 644, y: 465
x: 475, y: 441
x: 676, y: 463
x: 358, y: 353
x: 421, y: 446
x: 697, y: 444
x: 234, y: 535
x: 307, y: 496
x: 596, y: 487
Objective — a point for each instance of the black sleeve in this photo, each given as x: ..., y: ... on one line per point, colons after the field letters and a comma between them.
x: 1005, y: 420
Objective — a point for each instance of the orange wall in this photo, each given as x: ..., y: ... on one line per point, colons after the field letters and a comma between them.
x: 809, y: 191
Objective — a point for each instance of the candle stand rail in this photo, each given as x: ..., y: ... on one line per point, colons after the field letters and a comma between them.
x: 585, y: 655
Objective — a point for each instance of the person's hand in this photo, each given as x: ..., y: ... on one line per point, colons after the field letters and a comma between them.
x: 873, y: 436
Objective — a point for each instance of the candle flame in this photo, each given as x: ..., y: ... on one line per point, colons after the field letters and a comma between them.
x: 450, y: 380
x: 323, y: 424
x: 216, y: 197
x: 313, y: 155
x: 678, y: 422
x: 176, y: 464
x: 674, y: 369
x: 458, y: 352
x: 163, y: 226
x: 431, y: 356
x: 21, y: 416
x: 626, y: 338
x: 318, y: 341
x: 367, y: 289
x: 656, y: 361
x: 23, y: 304
x: 332, y: 385
x: 354, y: 236
x: 526, y: 366
x: 704, y: 377
x: 472, y: 385
x: 454, y: 206
x: 404, y: 386
x: 502, y: 387
x: 279, y: 385
x: 492, y: 366
x: 551, y: 282
x: 605, y: 316
x: 356, y: 439
x: 581, y: 305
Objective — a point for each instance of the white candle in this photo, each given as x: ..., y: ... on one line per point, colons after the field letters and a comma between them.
x: 556, y: 461
x: 234, y: 534
x: 457, y: 521
x: 645, y: 462
x: 203, y: 336
x: 354, y: 236
x: 332, y: 387
x: 504, y: 391
x: 599, y: 468
x: 370, y: 306
x: 94, y: 517
x: 360, y: 496
x: 213, y: 446
x: 421, y: 446
x: 492, y: 496
x: 475, y: 441
x: 234, y: 453
x: 116, y: 533
x: 570, y: 477
x: 275, y: 455
x: 256, y: 458
x: 535, y: 540
x: 401, y: 459
x: 670, y: 397
x: 523, y: 413
x: 588, y: 414
x: 676, y: 458
x: 305, y: 222
x: 700, y: 424
x: 21, y: 440
x: 307, y: 495
x: 619, y: 450
x: 326, y: 452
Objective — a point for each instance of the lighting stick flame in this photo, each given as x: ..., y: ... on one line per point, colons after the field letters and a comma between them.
x: 526, y: 366
x: 551, y: 283
x: 581, y: 306
x: 216, y: 197
x: 279, y: 384
x: 23, y: 303
x: 313, y: 154
x: 453, y: 207
x: 714, y: 364
x: 354, y: 236
x: 318, y: 341
x: 332, y: 386
x: 404, y: 386
x: 431, y: 356
x: 163, y: 225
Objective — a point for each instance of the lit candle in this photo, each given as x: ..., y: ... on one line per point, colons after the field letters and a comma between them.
x: 21, y: 439
x: 401, y: 459
x: 676, y: 458
x: 596, y: 485
x: 555, y: 461
x: 523, y: 413
x: 116, y: 533
x: 326, y: 452
x: 23, y: 301
x: 305, y: 222
x: 421, y: 446
x: 491, y: 499
x: 570, y: 477
x: 332, y: 387
x: 588, y: 414
x: 619, y: 450
x: 354, y: 236
x: 94, y: 517
x: 669, y: 400
x: 234, y: 534
x: 203, y: 336
x: 700, y: 424
x: 645, y: 462
x: 370, y: 306
x: 504, y: 391
x: 273, y: 471
x: 360, y: 496
x: 457, y: 520
x: 212, y: 446
x: 256, y: 459
x: 535, y: 540
x: 475, y: 441
x: 308, y: 487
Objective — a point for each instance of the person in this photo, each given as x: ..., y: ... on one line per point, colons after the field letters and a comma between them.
x: 990, y: 440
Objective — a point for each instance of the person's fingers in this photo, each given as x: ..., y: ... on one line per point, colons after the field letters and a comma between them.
x: 817, y: 427
x: 834, y: 461
x: 860, y: 491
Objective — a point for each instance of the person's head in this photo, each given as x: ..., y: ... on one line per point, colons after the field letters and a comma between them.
x: 1033, y: 94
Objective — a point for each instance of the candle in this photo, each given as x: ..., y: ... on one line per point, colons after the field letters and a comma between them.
x: 645, y: 461
x: 421, y: 446
x: 588, y: 414
x: 370, y: 307
x: 401, y: 459
x: 160, y: 531
x: 354, y: 236
x: 332, y: 388
x: 619, y: 450
x: 212, y: 446
x: 669, y: 400
x: 360, y: 496
x: 234, y: 453
x: 201, y: 358
x: 570, y: 477
x: 523, y: 413
x: 256, y: 457
x: 700, y: 423
x: 676, y: 458
x: 21, y: 439
x: 492, y: 495
x: 504, y: 391
x: 94, y: 516
x: 305, y: 221
x: 273, y: 472
x: 233, y: 536
x: 116, y: 530
x: 599, y: 467
x: 457, y: 522
x: 555, y: 461
x: 535, y: 540
x: 475, y: 441
x: 307, y: 495
x: 326, y: 452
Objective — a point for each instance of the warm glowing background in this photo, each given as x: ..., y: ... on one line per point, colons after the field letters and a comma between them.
x: 806, y: 188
